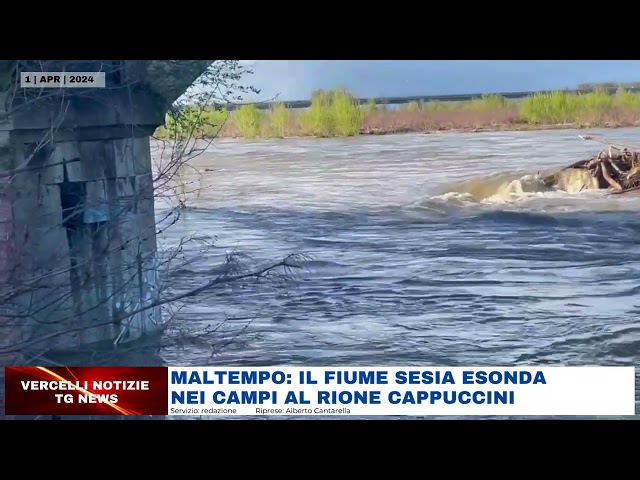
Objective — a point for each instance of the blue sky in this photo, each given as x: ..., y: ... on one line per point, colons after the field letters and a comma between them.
x: 296, y: 79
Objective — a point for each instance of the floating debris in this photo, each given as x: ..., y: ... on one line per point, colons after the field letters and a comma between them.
x: 616, y: 169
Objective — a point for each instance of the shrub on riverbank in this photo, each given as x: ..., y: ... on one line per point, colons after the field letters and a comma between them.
x: 334, y: 113
x: 592, y: 109
x: 188, y: 123
x: 337, y: 113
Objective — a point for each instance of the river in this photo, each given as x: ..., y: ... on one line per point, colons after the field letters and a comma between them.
x: 416, y: 256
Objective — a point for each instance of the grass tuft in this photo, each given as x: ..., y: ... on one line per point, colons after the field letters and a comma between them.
x: 248, y: 120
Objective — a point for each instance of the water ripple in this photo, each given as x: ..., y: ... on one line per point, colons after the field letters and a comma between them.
x: 404, y: 269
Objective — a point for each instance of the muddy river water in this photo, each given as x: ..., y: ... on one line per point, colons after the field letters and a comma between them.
x: 424, y: 250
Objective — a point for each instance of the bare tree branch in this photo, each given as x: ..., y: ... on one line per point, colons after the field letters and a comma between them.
x: 60, y: 294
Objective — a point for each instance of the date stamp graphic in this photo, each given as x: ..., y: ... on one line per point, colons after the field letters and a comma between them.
x: 62, y: 80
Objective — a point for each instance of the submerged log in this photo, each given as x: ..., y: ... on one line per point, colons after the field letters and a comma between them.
x: 615, y: 169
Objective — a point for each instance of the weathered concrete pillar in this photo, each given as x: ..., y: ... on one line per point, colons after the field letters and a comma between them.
x: 77, y: 226
x: 8, y: 335
x: 77, y: 223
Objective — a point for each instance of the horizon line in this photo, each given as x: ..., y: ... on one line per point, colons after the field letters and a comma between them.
x: 399, y: 100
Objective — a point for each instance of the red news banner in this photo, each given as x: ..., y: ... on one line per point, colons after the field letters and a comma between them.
x: 86, y: 390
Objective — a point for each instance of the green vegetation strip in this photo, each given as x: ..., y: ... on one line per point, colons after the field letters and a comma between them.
x: 336, y: 114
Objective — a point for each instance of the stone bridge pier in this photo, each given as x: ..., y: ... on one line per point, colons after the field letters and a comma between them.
x: 77, y: 223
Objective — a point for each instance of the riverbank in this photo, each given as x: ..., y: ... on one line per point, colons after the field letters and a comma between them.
x: 336, y: 114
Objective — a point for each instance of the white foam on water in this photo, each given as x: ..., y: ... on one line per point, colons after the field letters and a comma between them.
x: 519, y: 187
